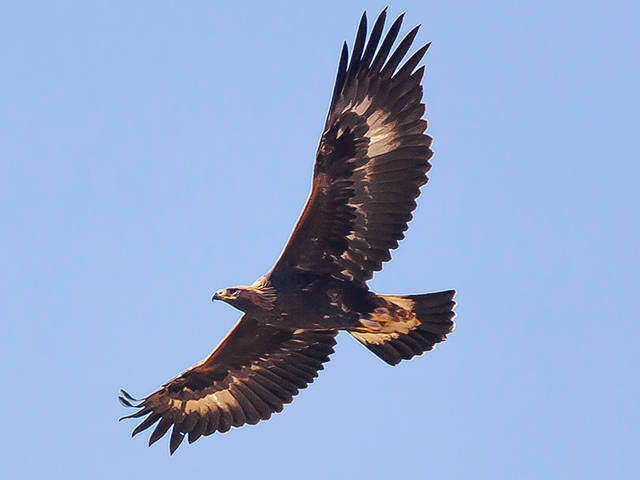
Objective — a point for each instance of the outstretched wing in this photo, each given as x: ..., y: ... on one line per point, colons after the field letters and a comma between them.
x: 372, y: 160
x: 254, y: 371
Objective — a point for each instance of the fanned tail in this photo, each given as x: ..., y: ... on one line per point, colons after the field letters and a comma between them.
x: 402, y: 327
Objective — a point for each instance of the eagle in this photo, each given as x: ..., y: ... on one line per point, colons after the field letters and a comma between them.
x: 372, y: 160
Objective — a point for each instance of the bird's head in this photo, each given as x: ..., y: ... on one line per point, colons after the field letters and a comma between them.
x: 245, y: 298
x: 231, y: 295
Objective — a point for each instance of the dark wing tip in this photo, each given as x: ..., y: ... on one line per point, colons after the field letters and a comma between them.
x: 399, y: 53
x: 146, y: 423
x: 374, y: 38
x: 358, y: 46
x: 381, y: 56
x: 176, y: 439
x: 160, y: 430
x: 127, y: 396
x: 341, y: 76
x: 362, y: 57
x: 408, y: 66
x: 124, y: 402
x: 127, y: 400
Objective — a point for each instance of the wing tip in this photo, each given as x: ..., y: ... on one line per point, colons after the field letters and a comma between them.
x: 127, y: 400
x: 176, y: 439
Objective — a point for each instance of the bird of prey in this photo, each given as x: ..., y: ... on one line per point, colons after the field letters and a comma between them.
x: 372, y: 160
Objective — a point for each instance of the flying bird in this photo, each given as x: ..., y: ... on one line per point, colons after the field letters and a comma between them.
x: 372, y: 160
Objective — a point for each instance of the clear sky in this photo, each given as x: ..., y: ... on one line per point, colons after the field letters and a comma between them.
x: 153, y: 152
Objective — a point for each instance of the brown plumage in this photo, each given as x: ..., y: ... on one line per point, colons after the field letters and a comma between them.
x: 371, y: 162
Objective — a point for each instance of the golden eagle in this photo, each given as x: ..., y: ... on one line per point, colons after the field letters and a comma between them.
x: 372, y: 160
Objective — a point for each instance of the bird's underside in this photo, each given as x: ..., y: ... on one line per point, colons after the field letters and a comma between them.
x: 371, y: 162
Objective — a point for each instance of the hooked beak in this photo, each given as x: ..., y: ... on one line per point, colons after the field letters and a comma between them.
x: 219, y: 296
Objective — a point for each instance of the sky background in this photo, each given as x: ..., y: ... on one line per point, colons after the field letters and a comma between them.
x: 154, y: 152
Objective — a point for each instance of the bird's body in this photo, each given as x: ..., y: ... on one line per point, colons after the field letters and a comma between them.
x: 304, y: 300
x: 371, y: 162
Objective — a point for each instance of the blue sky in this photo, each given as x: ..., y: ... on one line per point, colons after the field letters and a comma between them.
x: 154, y: 152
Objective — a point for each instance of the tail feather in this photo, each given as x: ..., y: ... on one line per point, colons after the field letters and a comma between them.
x: 402, y: 327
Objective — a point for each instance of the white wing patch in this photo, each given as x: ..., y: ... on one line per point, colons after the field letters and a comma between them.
x: 359, y: 108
